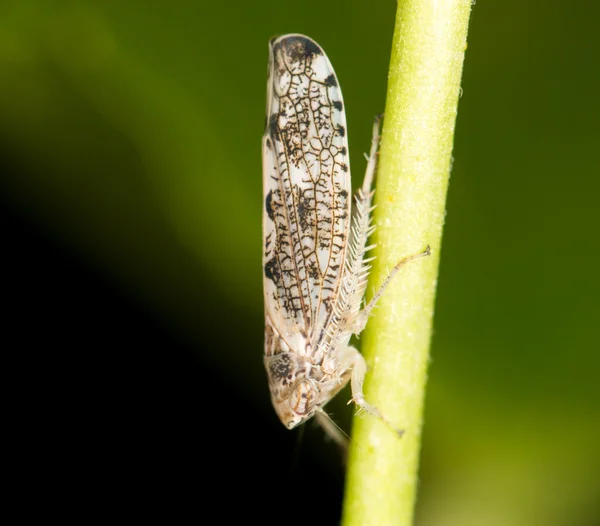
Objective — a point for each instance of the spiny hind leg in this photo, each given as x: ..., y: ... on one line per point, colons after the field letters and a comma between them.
x: 352, y: 359
x: 372, y: 158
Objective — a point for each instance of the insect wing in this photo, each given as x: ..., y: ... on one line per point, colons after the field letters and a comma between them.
x: 306, y: 184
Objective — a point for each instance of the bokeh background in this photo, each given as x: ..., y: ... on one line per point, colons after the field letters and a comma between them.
x: 130, y: 202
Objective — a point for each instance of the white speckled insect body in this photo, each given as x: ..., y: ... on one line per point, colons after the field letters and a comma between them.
x: 315, y: 270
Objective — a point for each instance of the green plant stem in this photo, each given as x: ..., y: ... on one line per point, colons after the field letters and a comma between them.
x: 412, y: 180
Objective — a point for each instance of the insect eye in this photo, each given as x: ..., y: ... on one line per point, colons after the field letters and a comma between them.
x: 303, y: 397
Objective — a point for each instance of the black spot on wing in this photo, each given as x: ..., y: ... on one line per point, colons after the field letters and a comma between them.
x: 272, y: 271
x: 273, y: 129
x: 311, y: 48
x: 314, y: 272
x: 299, y: 48
x: 337, y: 104
x: 269, y: 206
x: 331, y: 80
x: 340, y: 130
x: 305, y: 211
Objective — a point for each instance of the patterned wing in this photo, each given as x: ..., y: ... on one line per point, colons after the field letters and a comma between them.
x: 306, y: 179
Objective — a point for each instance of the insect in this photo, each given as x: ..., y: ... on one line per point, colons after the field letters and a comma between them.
x: 315, y: 269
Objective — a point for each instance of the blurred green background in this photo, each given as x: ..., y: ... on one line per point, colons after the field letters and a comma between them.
x: 131, y: 201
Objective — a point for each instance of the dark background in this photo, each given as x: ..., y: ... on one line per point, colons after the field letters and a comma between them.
x: 130, y: 209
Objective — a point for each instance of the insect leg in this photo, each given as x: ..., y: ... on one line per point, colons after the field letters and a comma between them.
x: 372, y: 159
x: 332, y: 430
x: 351, y: 358
x: 356, y: 268
x: 363, y: 315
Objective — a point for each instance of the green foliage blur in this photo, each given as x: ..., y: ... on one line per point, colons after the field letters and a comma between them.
x: 135, y: 131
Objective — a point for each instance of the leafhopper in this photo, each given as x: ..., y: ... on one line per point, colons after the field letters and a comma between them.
x: 315, y: 254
